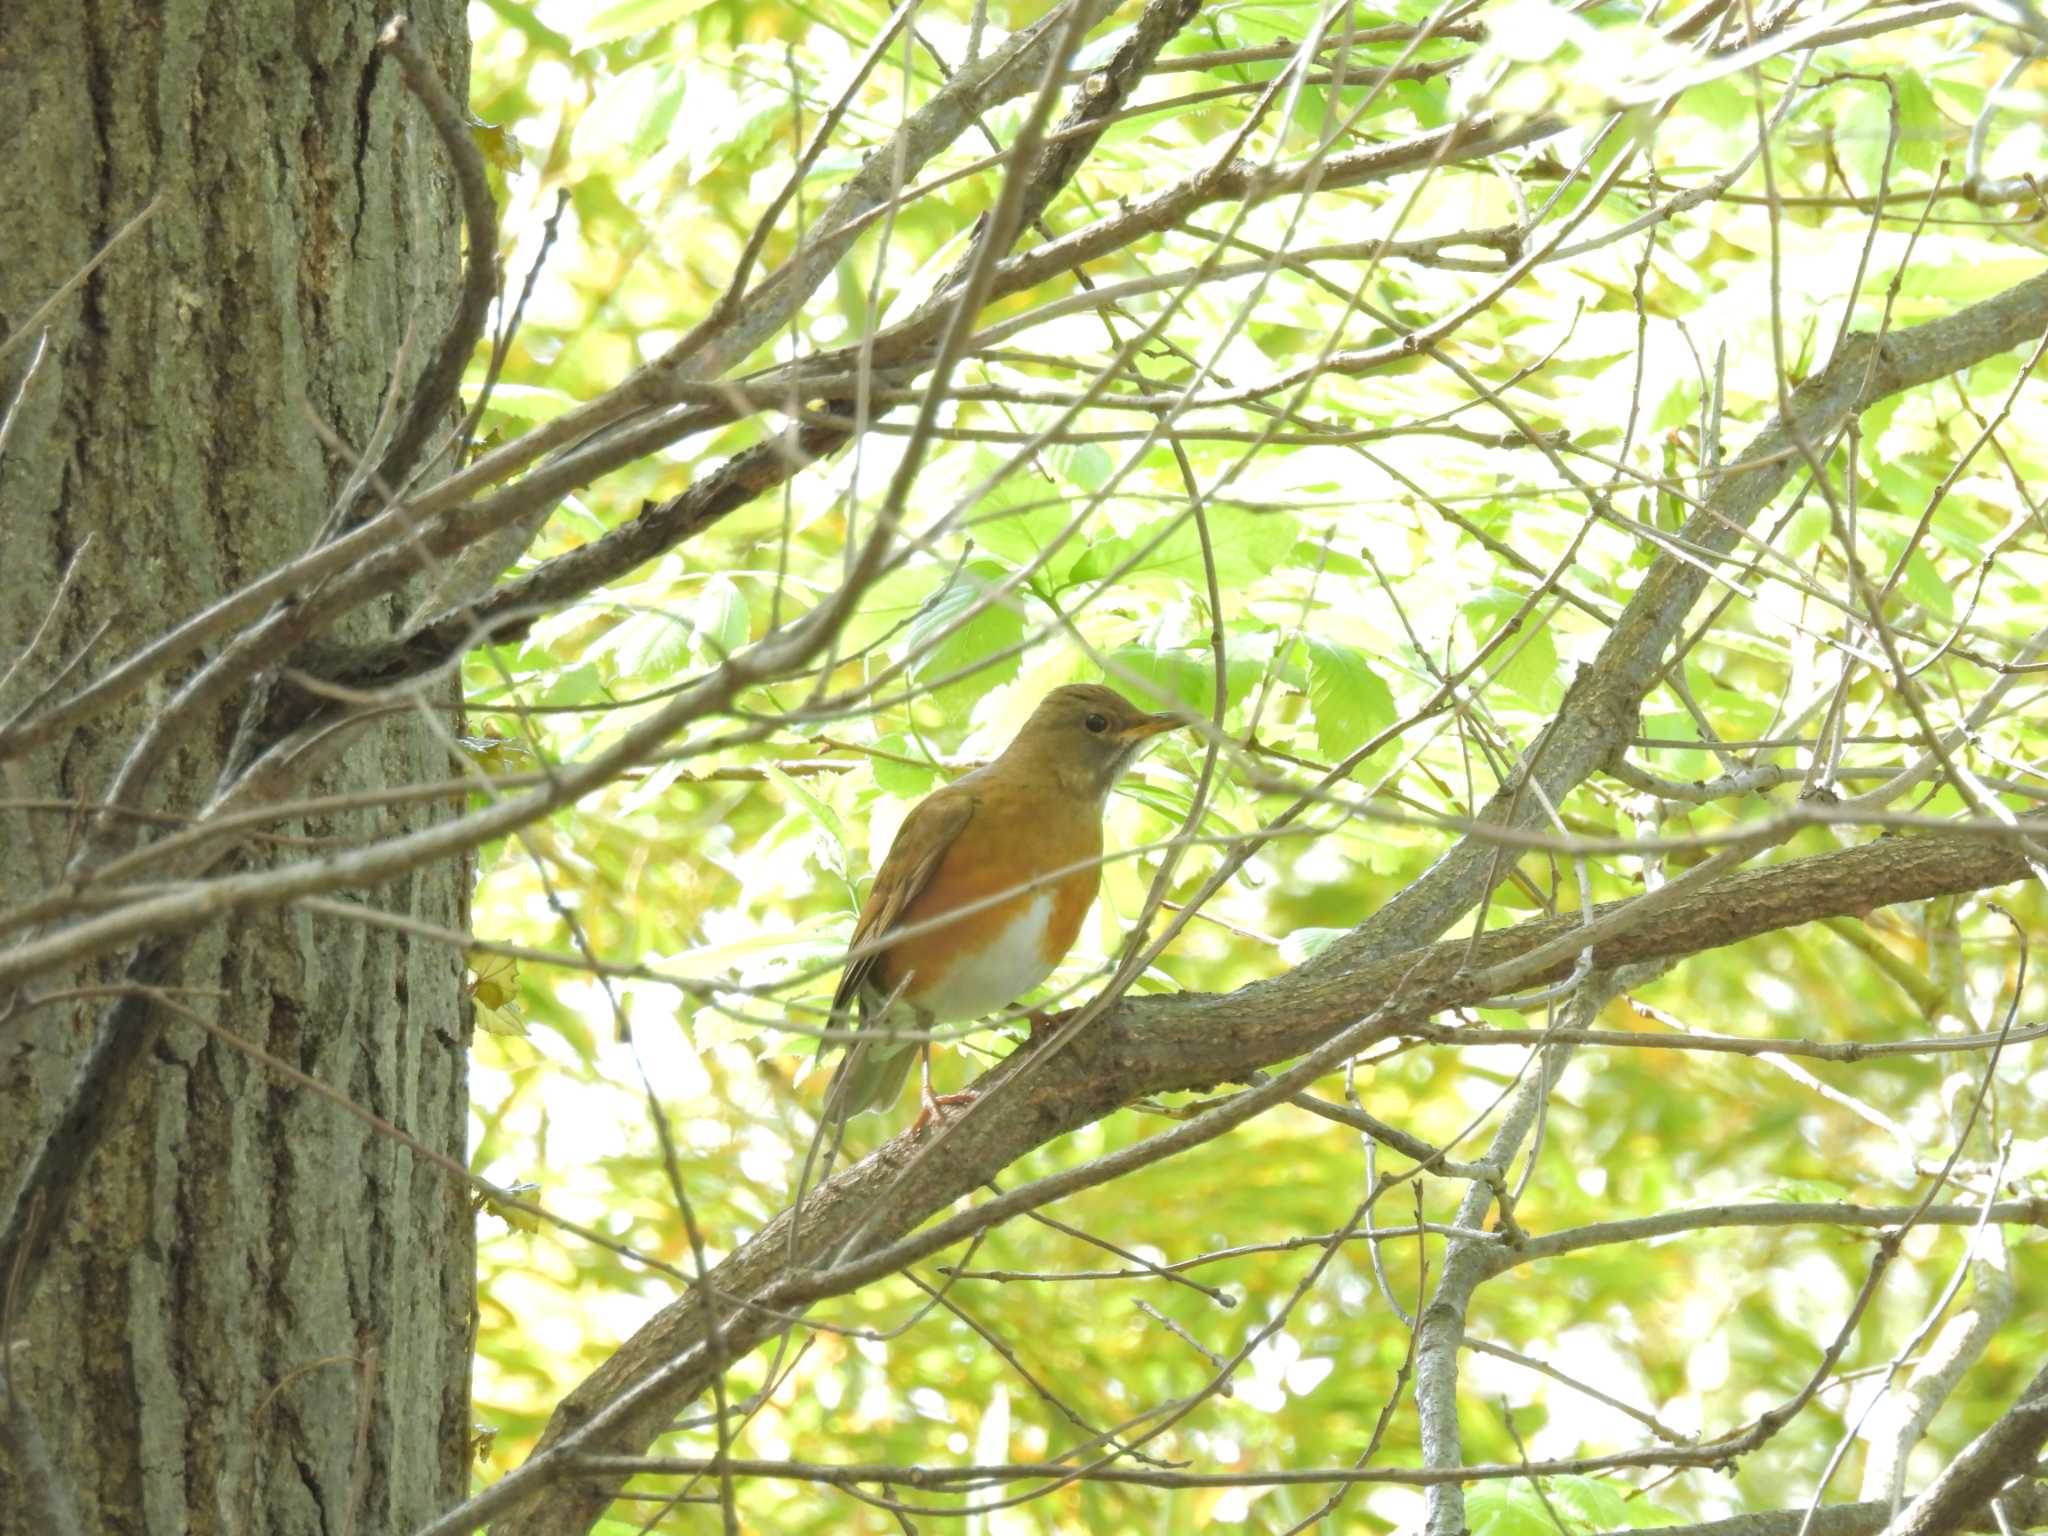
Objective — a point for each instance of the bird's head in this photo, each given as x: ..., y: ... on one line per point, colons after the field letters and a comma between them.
x: 1088, y: 734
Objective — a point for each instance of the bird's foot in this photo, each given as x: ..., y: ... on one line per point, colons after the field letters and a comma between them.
x: 934, y: 1106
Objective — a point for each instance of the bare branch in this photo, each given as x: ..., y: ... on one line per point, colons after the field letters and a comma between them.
x: 2003, y: 1453
x: 1147, y: 1045
x: 434, y: 392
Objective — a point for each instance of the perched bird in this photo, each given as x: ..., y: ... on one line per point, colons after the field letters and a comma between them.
x: 1020, y: 841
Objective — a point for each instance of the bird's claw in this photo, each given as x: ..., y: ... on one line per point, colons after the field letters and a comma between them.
x: 935, y: 1103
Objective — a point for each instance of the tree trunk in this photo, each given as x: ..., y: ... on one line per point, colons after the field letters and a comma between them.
x: 255, y: 1312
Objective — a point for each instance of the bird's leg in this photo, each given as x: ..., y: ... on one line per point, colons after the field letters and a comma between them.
x: 929, y: 1103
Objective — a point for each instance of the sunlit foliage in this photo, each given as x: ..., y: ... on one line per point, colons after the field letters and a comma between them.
x: 1429, y: 476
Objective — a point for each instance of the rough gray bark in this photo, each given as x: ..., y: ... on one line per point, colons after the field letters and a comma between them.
x: 254, y: 1316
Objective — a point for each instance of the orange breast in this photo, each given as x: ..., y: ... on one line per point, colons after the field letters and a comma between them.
x: 976, y: 964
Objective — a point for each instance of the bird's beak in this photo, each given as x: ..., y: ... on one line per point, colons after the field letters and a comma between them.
x: 1148, y: 726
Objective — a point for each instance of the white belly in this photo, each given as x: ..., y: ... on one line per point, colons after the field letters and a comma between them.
x: 1004, y: 972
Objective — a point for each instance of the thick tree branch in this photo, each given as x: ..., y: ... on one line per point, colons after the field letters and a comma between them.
x: 1440, y: 1329
x: 2029, y: 1503
x: 1005, y: 73
x: 509, y: 611
x: 896, y: 354
x: 506, y: 613
x: 1009, y: 72
x: 1142, y: 1046
x: 47, y: 1183
x: 2002, y: 1453
x: 1599, y: 712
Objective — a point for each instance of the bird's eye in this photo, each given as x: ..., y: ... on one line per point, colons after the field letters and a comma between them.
x: 1096, y: 723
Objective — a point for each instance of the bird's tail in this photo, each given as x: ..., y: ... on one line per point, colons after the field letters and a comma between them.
x: 871, y: 1077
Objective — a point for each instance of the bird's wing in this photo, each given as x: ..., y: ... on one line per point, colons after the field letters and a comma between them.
x: 927, y: 832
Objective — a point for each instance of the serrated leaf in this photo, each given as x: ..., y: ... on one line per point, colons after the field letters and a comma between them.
x: 1246, y: 545
x: 1350, y: 702
x: 724, y: 620
x: 1157, y: 677
x: 966, y: 657
x: 1927, y: 587
x: 1507, y: 1509
x: 909, y: 780
x: 821, y: 815
x: 1527, y: 661
x: 650, y: 645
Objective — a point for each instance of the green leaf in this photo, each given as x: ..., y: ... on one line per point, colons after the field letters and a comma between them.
x: 1736, y: 714
x: 1928, y: 588
x: 1158, y: 676
x: 836, y: 842
x: 1905, y: 485
x: 1675, y: 762
x: 1921, y: 127
x: 966, y: 657
x: 911, y: 781
x: 891, y: 605
x: 1085, y: 466
x: 649, y: 644
x: 1311, y: 554
x: 724, y: 621
x: 1726, y: 103
x: 1507, y: 1509
x: 630, y: 17
x: 1018, y: 521
x: 1589, y: 1502
x: 1246, y: 545
x: 580, y: 684
x: 1527, y: 661
x: 1965, y: 282
x: 1583, y: 1504
x: 1352, y: 704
